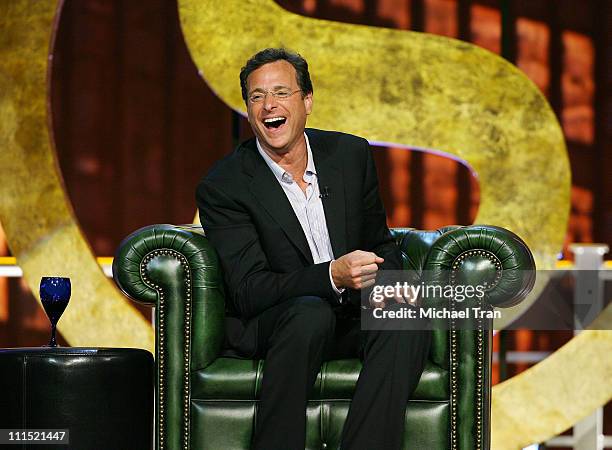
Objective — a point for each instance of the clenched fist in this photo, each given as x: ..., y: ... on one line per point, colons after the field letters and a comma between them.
x: 355, y: 270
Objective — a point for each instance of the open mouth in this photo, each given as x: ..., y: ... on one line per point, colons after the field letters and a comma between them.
x: 274, y: 122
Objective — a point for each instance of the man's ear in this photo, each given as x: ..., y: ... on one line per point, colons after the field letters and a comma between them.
x: 308, y: 103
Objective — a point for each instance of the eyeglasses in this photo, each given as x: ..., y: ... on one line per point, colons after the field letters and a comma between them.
x: 279, y: 94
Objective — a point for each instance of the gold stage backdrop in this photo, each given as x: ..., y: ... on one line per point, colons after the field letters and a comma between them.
x: 442, y: 94
x: 35, y: 211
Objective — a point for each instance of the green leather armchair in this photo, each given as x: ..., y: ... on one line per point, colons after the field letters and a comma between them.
x: 208, y: 402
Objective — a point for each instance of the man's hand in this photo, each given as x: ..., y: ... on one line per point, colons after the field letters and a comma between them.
x: 382, y: 303
x: 377, y: 300
x: 355, y: 270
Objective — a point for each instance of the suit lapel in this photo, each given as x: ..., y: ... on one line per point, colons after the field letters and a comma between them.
x: 273, y: 199
x: 330, y: 176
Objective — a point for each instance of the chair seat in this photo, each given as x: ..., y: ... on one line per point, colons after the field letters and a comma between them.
x: 240, y: 379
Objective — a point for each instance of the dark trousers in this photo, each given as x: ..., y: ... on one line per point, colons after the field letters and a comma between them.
x: 295, y: 337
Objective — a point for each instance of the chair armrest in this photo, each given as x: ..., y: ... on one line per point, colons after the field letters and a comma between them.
x: 175, y: 269
x: 471, y: 255
x: 484, y: 252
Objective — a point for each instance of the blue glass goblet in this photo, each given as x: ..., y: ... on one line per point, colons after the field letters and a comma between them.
x: 54, y: 295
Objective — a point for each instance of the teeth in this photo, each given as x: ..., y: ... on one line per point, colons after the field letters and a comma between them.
x: 273, y: 119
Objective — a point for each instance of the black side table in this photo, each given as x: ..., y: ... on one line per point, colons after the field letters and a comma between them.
x: 103, y: 396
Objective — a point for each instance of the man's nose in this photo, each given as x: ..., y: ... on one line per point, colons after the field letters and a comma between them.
x: 270, y: 101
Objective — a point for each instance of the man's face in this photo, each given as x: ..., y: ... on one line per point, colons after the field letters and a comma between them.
x: 279, y: 135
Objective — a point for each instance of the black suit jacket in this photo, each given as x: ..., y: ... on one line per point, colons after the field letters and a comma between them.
x: 261, y: 246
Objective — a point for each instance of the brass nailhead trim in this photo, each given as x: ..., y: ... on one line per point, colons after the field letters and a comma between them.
x: 479, y: 382
x: 480, y: 349
x: 161, y: 343
x: 459, y: 260
x: 453, y: 378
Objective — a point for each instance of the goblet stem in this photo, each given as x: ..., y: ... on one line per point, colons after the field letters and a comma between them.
x: 52, y: 342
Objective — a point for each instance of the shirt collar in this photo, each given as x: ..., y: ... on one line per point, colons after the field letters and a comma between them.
x: 280, y: 173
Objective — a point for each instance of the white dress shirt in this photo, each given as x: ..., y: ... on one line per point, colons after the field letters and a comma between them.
x: 307, y: 206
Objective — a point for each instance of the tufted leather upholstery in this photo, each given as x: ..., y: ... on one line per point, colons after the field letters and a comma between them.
x: 207, y: 402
